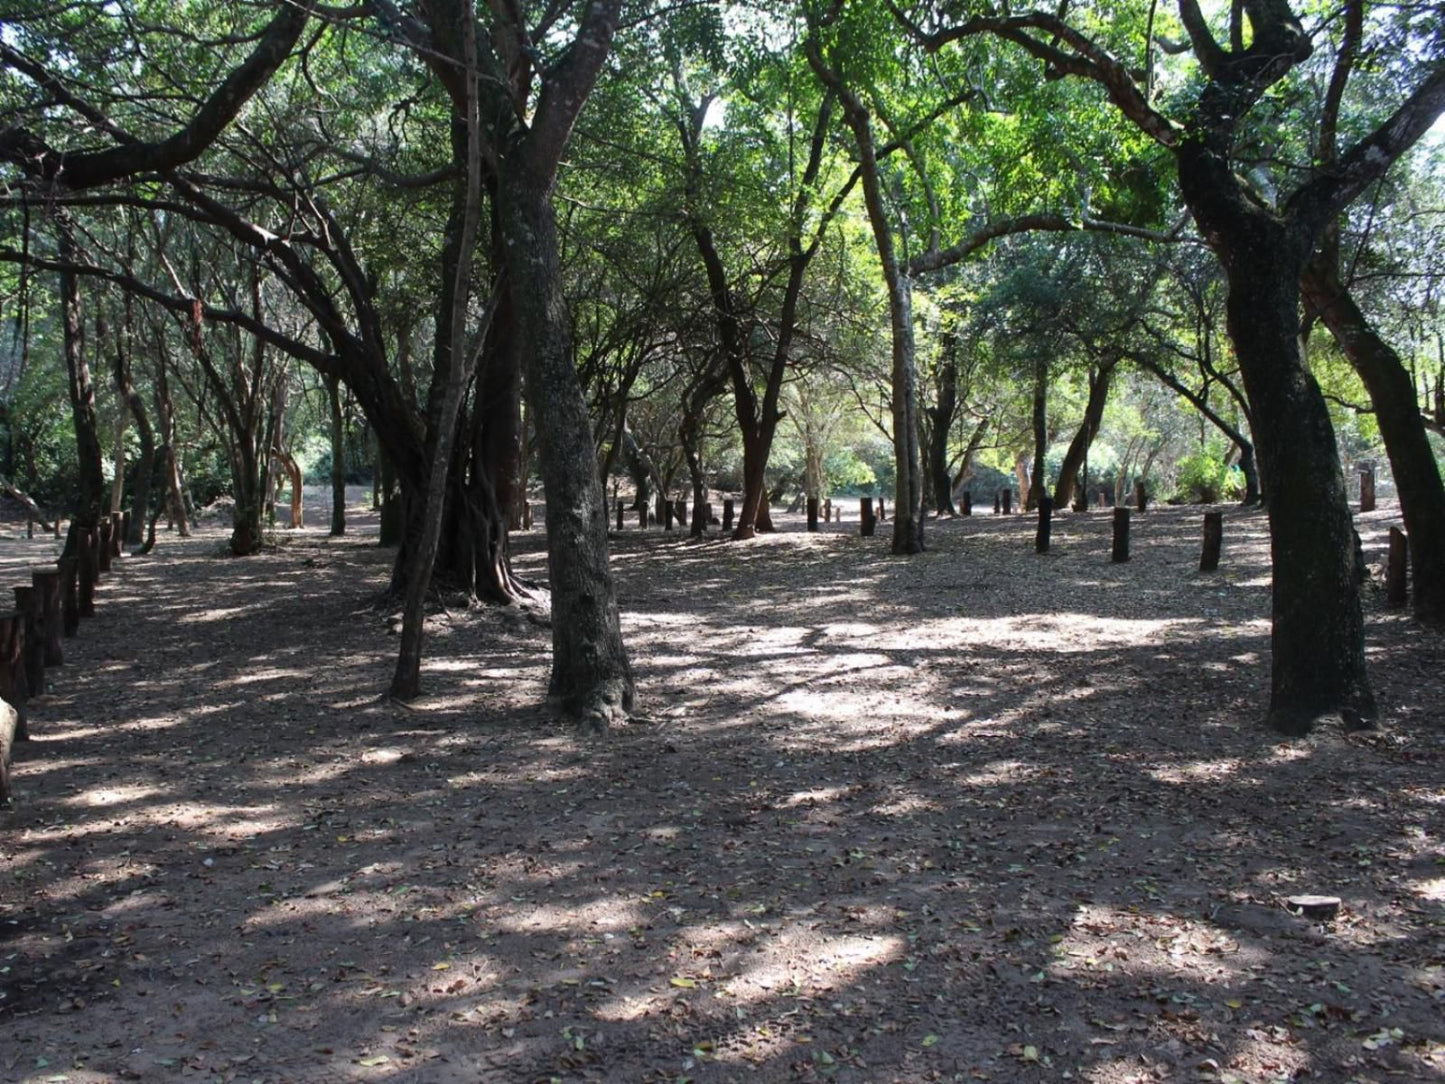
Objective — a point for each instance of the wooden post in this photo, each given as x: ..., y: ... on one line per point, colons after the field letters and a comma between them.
x: 102, y: 545
x: 679, y: 512
x: 526, y: 515
x: 12, y: 669
x: 1121, y: 535
x: 663, y: 511
x: 968, y: 502
x: 48, y: 594
x: 667, y: 513
x: 1395, y: 567
x: 727, y: 523
x: 27, y: 601
x: 812, y: 513
x: 89, y: 568
x: 619, y: 511
x: 882, y: 513
x: 1141, y: 495
x: 828, y: 510
x: 701, y: 513
x: 866, y: 522
x: 117, y: 534
x: 29, y: 526
x: 998, y: 503
x: 1213, y: 541
x: 1367, y: 490
x: 70, y: 594
x: 124, y: 527
x: 1007, y: 496
x: 1046, y: 518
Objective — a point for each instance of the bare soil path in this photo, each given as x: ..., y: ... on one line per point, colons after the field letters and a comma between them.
x: 976, y: 815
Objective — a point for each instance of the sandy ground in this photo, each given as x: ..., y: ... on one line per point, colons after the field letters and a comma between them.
x: 974, y: 815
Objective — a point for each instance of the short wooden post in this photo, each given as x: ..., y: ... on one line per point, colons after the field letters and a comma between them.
x: 828, y: 510
x: 1007, y: 496
x: 1213, y: 541
x: 727, y: 523
x: 619, y: 512
x: 70, y: 594
x: 13, y: 688
x: 662, y: 512
x: 48, y: 591
x: 1141, y: 495
x: 998, y: 503
x: 866, y: 522
x: 526, y: 515
x: 642, y: 517
x: 679, y: 511
x: 1046, y: 518
x: 1367, y: 490
x: 27, y: 602
x: 812, y: 513
x: 1121, y: 535
x: 102, y: 545
x: 667, y: 514
x: 882, y: 513
x: 124, y: 527
x: 117, y: 534
x: 1395, y: 567
x: 29, y: 526
x: 967, y: 502
x: 701, y: 513
x: 89, y: 569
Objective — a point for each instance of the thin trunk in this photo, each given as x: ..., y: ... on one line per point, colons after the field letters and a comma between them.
x: 1041, y: 435
x: 941, y: 416
x: 82, y: 398
x: 1074, y: 458
x: 338, y: 458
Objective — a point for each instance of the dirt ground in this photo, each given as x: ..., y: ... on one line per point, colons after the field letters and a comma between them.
x: 973, y: 815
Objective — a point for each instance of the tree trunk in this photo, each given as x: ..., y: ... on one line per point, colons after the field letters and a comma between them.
x: 1412, y: 461
x: 1099, y: 380
x: 591, y: 674
x: 1041, y: 435
x: 338, y: 458
x: 1318, y: 658
x: 942, y: 418
x: 82, y: 395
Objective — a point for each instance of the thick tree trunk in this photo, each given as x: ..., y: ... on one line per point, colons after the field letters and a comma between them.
x: 1318, y: 658
x: 591, y: 675
x: 1412, y: 461
x: 338, y: 458
x: 1099, y: 380
x: 942, y: 418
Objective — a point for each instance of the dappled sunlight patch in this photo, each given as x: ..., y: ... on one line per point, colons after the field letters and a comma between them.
x: 211, y: 616
x: 605, y: 915
x: 111, y: 795
x: 812, y: 797
x: 999, y: 773
x: 905, y: 805
x: 1431, y: 888
x: 1199, y: 771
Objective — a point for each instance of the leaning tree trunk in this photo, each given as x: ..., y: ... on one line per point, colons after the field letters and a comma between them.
x: 1412, y: 461
x: 1318, y: 658
x: 1073, y: 461
x: 591, y: 674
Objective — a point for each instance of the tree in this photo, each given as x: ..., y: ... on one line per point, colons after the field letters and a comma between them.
x: 1263, y: 244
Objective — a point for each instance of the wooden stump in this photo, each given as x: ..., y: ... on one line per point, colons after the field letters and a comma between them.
x: 812, y: 513
x: 619, y: 512
x: 828, y: 510
x: 1046, y: 525
x: 866, y: 522
x: 967, y: 502
x: 1367, y: 491
x: 679, y: 512
x: 727, y: 523
x: 124, y: 529
x: 117, y: 534
x: 1121, y: 535
x: 701, y: 513
x: 1320, y: 908
x: 1141, y: 495
x: 642, y: 518
x: 12, y: 669
x: 1395, y: 568
x: 667, y: 513
x: 27, y: 601
x: 882, y: 513
x: 526, y: 515
x: 102, y: 545
x: 998, y: 503
x: 70, y: 594
x: 89, y: 571
x: 47, y: 583
x: 1006, y: 496
x: 1213, y: 541
x: 9, y: 721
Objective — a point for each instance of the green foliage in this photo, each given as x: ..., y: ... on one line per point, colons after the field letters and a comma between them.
x: 1203, y: 478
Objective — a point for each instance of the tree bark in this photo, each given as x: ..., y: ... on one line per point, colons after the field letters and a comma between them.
x: 941, y: 416
x: 91, y: 494
x: 1041, y: 436
x: 1099, y: 380
x: 338, y: 458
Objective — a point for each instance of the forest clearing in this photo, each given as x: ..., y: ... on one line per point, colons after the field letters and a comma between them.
x: 980, y: 814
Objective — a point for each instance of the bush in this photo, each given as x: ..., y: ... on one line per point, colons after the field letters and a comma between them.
x: 1203, y: 478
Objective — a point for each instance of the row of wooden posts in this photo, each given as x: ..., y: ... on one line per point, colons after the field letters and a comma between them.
x: 48, y: 609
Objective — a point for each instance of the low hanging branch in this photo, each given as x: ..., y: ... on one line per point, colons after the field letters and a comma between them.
x: 16, y: 493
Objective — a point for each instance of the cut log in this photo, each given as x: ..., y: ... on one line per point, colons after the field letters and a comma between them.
x: 48, y: 590
x: 866, y: 522
x: 1316, y: 907
x: 812, y: 513
x: 1045, y: 531
x: 27, y: 601
x: 1120, y: 552
x: 1367, y: 491
x: 727, y: 523
x: 1213, y: 541
x: 1006, y: 496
